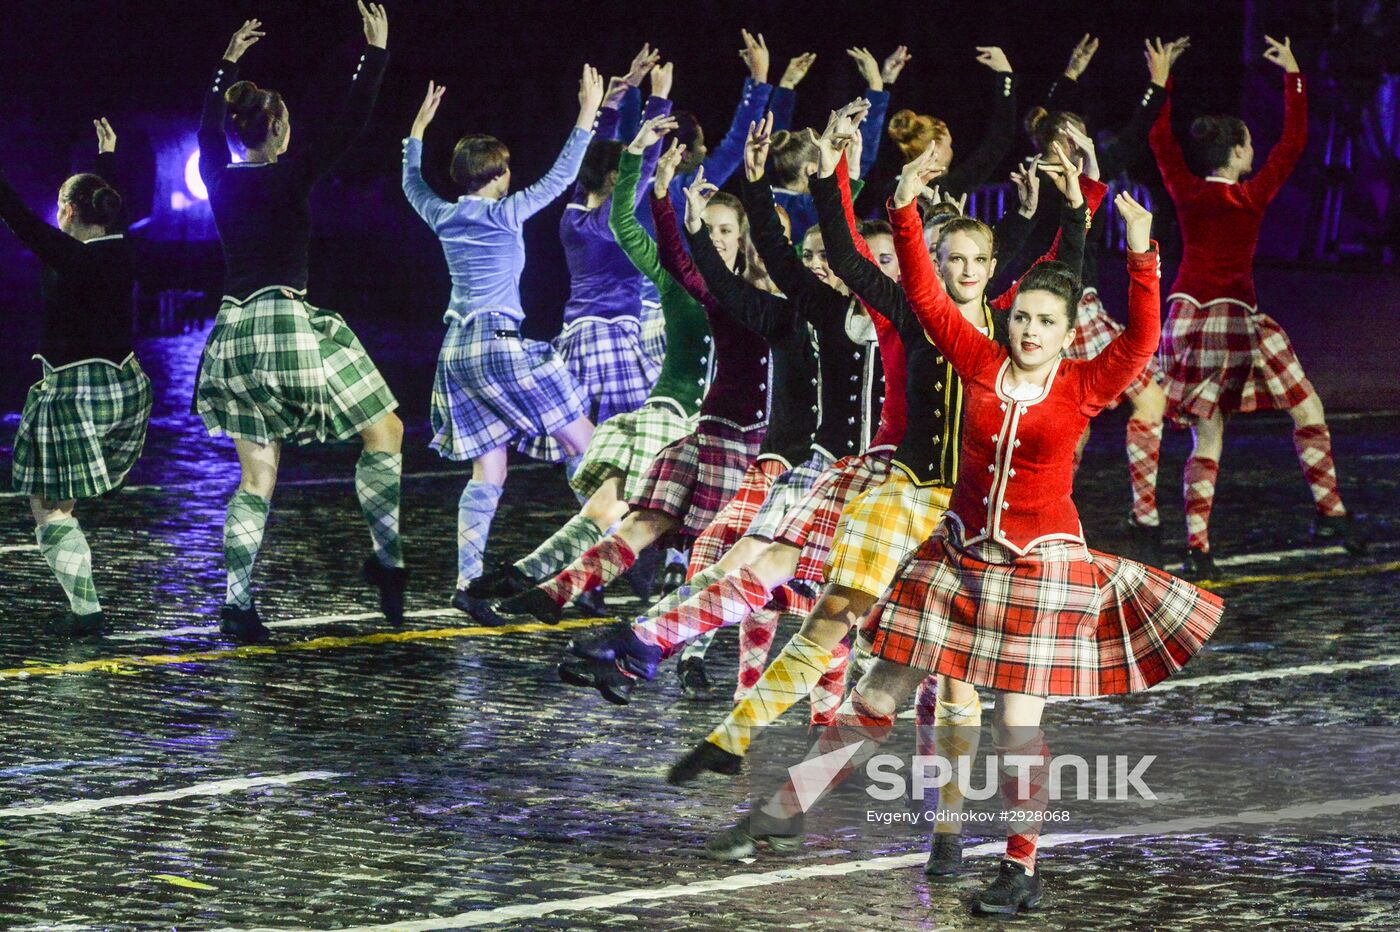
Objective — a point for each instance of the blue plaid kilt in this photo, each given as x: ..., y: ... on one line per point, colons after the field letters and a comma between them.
x: 788, y: 489
x: 612, y: 370
x: 494, y: 390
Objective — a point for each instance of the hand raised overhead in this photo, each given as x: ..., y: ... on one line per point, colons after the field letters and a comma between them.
x: 245, y: 38
x: 376, y: 23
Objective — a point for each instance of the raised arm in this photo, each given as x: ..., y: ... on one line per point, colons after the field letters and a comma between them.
x: 1171, y: 162
x: 423, y: 199
x: 1289, y: 148
x: 724, y: 159
x: 674, y: 259
x: 1113, y: 370
x: 766, y: 314
x: 999, y: 135
x: 656, y: 108
x: 956, y: 338
x: 54, y: 248
x: 1131, y: 141
x: 524, y: 204
x: 846, y: 250
x: 213, y: 147
x: 359, y: 103
x: 622, y: 218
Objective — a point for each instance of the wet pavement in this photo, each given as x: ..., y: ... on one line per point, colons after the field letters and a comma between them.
x: 438, y: 777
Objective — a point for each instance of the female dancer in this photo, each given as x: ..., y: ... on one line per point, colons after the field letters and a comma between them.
x: 1094, y: 329
x: 1220, y: 355
x: 492, y: 387
x: 693, y: 478
x: 276, y: 369
x: 624, y: 447
x: 84, y: 422
x: 601, y: 343
x: 1005, y: 594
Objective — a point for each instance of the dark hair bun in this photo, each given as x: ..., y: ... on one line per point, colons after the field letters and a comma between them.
x: 1034, y: 118
x: 243, y: 98
x: 106, y: 206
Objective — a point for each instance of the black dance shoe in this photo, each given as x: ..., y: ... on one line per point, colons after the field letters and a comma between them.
x: 503, y: 581
x: 782, y: 836
x: 944, y: 855
x: 641, y: 575
x: 592, y: 604
x: 243, y: 624
x: 695, y: 679
x: 618, y: 643
x: 602, y: 675
x: 72, y: 625
x: 1339, y: 528
x: 1145, y: 543
x: 391, y: 582
x: 705, y: 756
x: 533, y: 603
x: 672, y: 578
x: 1013, y: 889
x: 1200, y: 565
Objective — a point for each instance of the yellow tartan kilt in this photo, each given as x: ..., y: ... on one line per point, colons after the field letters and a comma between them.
x: 880, y: 528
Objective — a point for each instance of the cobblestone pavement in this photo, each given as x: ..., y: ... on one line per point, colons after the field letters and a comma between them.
x: 345, y: 776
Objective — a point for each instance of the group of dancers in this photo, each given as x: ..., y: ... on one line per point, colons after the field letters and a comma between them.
x: 873, y: 424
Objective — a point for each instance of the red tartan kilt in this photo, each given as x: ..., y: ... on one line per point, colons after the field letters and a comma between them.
x: 1061, y: 620
x: 1094, y: 329
x: 811, y: 524
x: 693, y: 478
x: 1228, y: 357
x: 736, y: 516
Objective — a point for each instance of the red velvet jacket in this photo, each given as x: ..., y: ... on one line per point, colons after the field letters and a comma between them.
x: 1220, y: 219
x: 1018, y: 456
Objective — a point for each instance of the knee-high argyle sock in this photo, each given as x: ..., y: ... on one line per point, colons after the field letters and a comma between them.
x: 755, y: 642
x: 65, y: 550
x: 791, y: 675
x: 725, y: 602
x: 378, y: 482
x: 957, y: 731
x: 561, y: 548
x: 475, y: 509
x: 828, y: 692
x: 1314, y: 446
x: 1200, y: 496
x: 1144, y: 442
x: 598, y: 566
x: 1024, y: 764
x: 855, y: 722
x: 243, y: 534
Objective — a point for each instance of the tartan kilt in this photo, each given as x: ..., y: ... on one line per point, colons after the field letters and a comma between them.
x: 610, y: 367
x: 1226, y: 356
x: 277, y: 368
x: 1094, y: 329
x: 693, y: 478
x: 737, y: 514
x: 490, y: 391
x: 811, y: 524
x: 880, y: 528
x: 788, y: 490
x: 627, y: 444
x: 1060, y: 620
x: 653, y: 335
x: 82, y: 429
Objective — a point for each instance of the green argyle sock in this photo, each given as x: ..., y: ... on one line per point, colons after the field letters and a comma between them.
x: 65, y: 549
x: 243, y: 534
x: 377, y: 486
x: 563, y: 547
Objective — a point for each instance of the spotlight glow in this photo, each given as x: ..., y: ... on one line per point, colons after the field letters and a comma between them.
x: 193, y: 182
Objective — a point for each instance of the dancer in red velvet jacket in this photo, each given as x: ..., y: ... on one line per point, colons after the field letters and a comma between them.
x: 1006, y: 594
x: 1220, y: 355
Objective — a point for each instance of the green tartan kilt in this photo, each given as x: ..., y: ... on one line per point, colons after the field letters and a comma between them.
x: 277, y: 368
x: 82, y: 429
x: 627, y: 443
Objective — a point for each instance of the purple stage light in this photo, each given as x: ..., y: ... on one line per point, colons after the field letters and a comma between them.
x: 193, y: 183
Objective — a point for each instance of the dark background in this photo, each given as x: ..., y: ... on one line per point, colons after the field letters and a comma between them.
x: 511, y: 70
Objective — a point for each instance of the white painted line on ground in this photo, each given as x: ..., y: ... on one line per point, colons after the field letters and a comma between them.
x: 147, y: 634
x: 16, y: 548
x: 1278, y: 556
x: 216, y: 788
x: 749, y: 881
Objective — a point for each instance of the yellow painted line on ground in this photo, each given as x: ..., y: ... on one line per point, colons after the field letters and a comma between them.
x: 137, y: 662
x: 132, y: 664
x: 1337, y: 573
x: 176, y: 881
